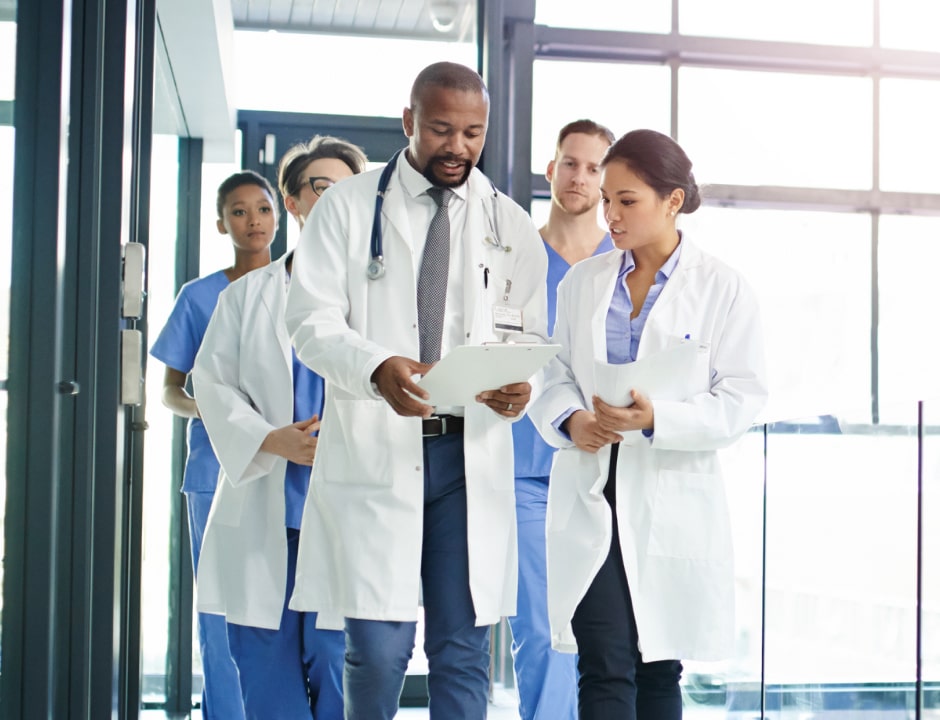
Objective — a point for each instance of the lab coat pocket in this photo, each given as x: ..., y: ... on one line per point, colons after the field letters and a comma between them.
x: 337, y: 458
x: 690, y: 517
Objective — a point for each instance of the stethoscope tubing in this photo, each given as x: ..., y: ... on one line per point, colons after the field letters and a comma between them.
x: 376, y: 266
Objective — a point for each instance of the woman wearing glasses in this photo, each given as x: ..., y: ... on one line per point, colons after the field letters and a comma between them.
x: 307, y: 169
x: 261, y: 407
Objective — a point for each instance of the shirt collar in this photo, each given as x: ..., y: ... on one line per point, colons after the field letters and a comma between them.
x: 628, y: 265
x: 416, y: 184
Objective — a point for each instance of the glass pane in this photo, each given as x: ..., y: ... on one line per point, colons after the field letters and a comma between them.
x: 709, y: 688
x: 909, y: 24
x: 930, y: 559
x: 7, y: 56
x: 563, y: 91
x: 910, y: 112
x: 816, y: 320
x: 908, y: 344
x: 539, y: 210
x: 833, y: 22
x: 158, y: 494
x: 7, y: 67
x: 351, y: 86
x: 653, y: 16
x: 759, y: 128
x: 840, y: 623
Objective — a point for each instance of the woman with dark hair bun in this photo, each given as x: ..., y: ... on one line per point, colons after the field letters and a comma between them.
x: 640, y: 565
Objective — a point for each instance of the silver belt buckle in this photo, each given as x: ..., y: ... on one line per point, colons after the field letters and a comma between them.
x: 443, y: 427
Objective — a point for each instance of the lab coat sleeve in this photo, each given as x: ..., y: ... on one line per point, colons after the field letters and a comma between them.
x: 236, y: 428
x: 715, y: 419
x: 318, y: 305
x: 559, y: 392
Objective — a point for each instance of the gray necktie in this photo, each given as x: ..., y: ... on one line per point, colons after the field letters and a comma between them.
x: 432, y: 278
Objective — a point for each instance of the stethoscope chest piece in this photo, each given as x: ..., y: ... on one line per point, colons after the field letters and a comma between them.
x: 376, y: 268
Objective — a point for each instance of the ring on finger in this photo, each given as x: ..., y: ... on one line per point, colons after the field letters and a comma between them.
x: 508, y: 407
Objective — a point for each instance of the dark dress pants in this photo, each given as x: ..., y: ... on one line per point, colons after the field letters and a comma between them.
x: 614, y: 682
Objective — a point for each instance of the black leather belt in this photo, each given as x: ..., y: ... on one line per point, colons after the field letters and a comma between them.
x: 438, y: 425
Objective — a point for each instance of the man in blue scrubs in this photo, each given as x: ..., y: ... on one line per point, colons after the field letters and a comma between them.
x: 547, y: 680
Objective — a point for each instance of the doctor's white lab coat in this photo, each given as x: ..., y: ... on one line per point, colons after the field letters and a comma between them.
x: 360, y: 545
x: 675, y: 531
x: 243, y: 384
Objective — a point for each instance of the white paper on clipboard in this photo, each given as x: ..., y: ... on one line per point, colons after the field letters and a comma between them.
x: 668, y: 374
x: 467, y: 370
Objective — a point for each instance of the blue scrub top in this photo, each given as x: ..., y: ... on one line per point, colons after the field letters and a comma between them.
x: 533, y: 456
x: 176, y: 347
x: 308, y: 399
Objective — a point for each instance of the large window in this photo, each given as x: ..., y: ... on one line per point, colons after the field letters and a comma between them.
x: 641, y: 92
x: 771, y: 128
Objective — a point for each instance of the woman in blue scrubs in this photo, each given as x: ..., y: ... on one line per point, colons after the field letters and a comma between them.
x: 247, y: 212
x: 261, y: 407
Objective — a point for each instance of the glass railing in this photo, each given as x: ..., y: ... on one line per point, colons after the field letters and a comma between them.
x: 837, y: 539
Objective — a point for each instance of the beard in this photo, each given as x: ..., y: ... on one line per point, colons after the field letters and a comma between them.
x: 575, y: 205
x: 428, y: 171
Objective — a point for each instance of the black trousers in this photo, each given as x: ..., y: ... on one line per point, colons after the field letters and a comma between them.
x: 614, y: 682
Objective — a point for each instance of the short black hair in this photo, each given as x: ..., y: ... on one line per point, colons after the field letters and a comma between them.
x: 447, y: 75
x: 237, y: 180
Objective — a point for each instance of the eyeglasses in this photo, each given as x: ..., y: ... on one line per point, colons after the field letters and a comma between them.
x: 319, y: 184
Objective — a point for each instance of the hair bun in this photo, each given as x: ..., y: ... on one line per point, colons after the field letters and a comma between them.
x: 693, y: 197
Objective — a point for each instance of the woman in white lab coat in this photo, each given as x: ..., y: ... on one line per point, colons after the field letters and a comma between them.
x: 261, y: 407
x: 640, y: 565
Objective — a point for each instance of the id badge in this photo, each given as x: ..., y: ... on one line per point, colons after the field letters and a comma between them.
x: 507, y: 318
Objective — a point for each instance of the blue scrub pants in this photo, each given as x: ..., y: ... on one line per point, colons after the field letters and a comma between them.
x: 547, y: 679
x: 377, y: 652
x: 615, y: 683
x: 295, y: 672
x: 221, y: 693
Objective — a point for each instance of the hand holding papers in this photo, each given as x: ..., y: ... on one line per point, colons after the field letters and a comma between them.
x: 467, y: 370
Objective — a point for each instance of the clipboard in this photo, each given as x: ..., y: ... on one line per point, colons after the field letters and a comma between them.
x: 468, y: 370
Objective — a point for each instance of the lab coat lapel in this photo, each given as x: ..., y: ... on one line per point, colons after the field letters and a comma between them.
x: 395, y: 214
x: 475, y: 323
x: 603, y: 291
x: 274, y: 299
x: 688, y: 258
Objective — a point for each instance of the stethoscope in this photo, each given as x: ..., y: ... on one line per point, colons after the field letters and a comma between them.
x: 376, y: 267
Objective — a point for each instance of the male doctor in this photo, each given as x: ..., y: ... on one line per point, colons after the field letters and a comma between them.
x: 407, y: 501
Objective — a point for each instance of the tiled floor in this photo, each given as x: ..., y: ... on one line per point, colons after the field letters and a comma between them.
x: 503, y: 707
